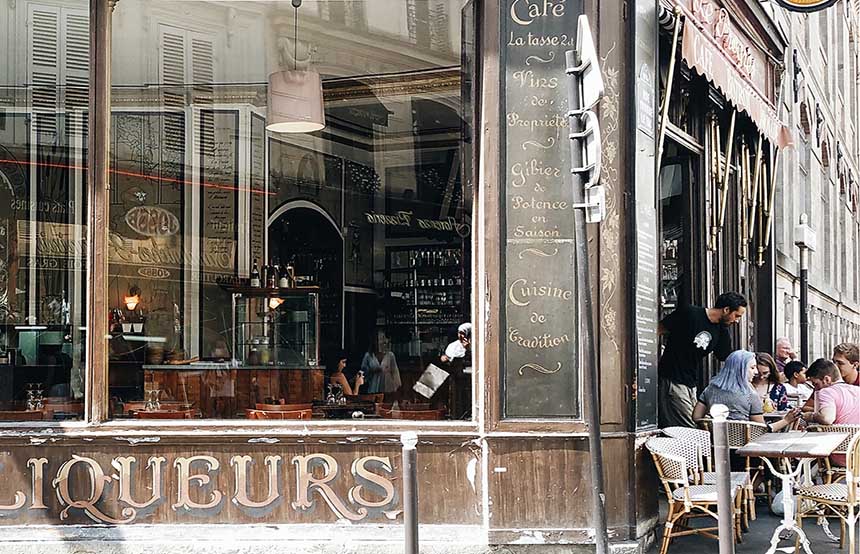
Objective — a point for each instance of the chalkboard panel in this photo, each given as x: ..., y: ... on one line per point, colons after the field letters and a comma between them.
x: 646, y: 260
x: 541, y: 375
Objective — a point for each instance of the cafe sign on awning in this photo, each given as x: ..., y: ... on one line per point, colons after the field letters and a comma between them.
x: 805, y: 5
x: 720, y: 56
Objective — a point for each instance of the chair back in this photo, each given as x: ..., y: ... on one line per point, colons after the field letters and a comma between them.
x: 165, y: 414
x: 283, y: 407
x: 376, y: 397
x: 699, y: 437
x: 423, y: 415
x: 671, y: 465
x: 741, y: 432
x: 278, y: 414
x: 851, y: 430
x: 852, y: 477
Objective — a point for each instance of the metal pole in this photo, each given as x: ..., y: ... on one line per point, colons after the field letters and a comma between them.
x: 409, y: 440
x: 725, y: 506
x: 587, y: 357
x: 664, y: 109
x: 804, y: 305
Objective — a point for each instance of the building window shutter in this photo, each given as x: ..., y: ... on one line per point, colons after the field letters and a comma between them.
x: 44, y: 70
x: 440, y: 34
x: 172, y: 80
x: 187, y: 74
x: 76, y: 64
x: 203, y: 77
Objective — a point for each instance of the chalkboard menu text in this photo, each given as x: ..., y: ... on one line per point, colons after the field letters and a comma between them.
x: 539, y: 343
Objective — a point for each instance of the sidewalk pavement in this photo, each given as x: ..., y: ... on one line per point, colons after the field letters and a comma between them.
x: 756, y: 540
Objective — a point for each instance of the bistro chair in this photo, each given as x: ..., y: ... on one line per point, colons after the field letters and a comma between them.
x: 283, y: 407
x: 685, y: 500
x: 739, y: 434
x: 834, y: 473
x: 697, y: 450
x: 422, y: 415
x: 165, y: 414
x: 278, y: 414
x: 836, y: 499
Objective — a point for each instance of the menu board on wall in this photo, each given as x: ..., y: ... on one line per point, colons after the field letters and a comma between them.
x: 539, y: 345
x: 258, y: 187
x: 646, y: 260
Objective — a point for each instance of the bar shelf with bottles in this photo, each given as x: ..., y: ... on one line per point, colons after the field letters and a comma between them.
x: 425, y: 289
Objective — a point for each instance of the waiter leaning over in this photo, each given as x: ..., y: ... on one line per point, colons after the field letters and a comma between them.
x: 692, y: 332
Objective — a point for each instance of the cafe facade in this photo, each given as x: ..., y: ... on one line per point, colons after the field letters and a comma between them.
x: 720, y: 159
x: 249, y: 244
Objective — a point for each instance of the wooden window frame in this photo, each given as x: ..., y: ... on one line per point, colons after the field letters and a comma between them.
x: 488, y: 419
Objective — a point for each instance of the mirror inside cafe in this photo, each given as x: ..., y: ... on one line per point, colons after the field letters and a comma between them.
x: 290, y: 216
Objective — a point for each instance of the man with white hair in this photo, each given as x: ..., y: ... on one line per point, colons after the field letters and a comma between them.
x: 784, y: 353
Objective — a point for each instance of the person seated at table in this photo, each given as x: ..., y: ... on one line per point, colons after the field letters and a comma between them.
x: 795, y: 382
x: 732, y: 387
x: 846, y: 356
x: 836, y: 402
x: 338, y: 377
x: 768, y: 384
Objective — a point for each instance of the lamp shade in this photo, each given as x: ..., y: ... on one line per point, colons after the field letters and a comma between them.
x: 295, y: 102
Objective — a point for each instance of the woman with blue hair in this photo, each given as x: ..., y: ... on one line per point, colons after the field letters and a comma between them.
x: 732, y: 387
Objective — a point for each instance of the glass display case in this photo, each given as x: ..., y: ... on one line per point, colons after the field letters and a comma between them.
x: 275, y: 327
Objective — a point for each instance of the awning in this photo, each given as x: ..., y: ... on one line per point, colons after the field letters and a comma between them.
x: 702, y: 53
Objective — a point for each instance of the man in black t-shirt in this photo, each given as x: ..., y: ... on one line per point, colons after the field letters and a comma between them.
x: 692, y: 333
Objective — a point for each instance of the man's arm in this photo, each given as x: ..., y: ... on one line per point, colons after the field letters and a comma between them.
x: 825, y: 416
x: 670, y: 321
x: 724, y: 345
x: 826, y: 413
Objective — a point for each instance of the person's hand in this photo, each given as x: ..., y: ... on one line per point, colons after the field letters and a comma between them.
x: 359, y: 380
x: 445, y: 358
x: 792, y: 415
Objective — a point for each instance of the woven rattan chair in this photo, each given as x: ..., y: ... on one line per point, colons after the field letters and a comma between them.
x: 834, y: 473
x: 685, y: 500
x: 698, y: 452
x: 739, y: 434
x: 837, y: 499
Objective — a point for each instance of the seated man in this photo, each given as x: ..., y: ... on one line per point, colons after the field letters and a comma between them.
x: 846, y: 356
x: 836, y: 402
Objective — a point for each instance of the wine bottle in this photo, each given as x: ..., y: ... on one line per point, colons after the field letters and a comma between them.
x: 255, y: 275
x: 272, y: 277
x: 283, y: 282
x: 291, y: 272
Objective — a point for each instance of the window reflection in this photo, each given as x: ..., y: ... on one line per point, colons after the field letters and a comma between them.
x: 43, y: 137
x: 271, y: 275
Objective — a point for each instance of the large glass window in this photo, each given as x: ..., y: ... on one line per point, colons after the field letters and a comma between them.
x: 318, y: 273
x: 43, y: 155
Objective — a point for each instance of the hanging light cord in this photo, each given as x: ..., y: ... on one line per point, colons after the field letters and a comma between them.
x: 296, y: 4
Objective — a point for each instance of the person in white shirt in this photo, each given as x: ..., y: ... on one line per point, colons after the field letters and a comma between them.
x: 795, y: 382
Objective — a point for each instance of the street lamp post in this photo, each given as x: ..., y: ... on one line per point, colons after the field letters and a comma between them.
x: 804, y: 239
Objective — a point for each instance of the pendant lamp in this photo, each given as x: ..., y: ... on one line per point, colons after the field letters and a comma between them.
x: 295, y: 98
